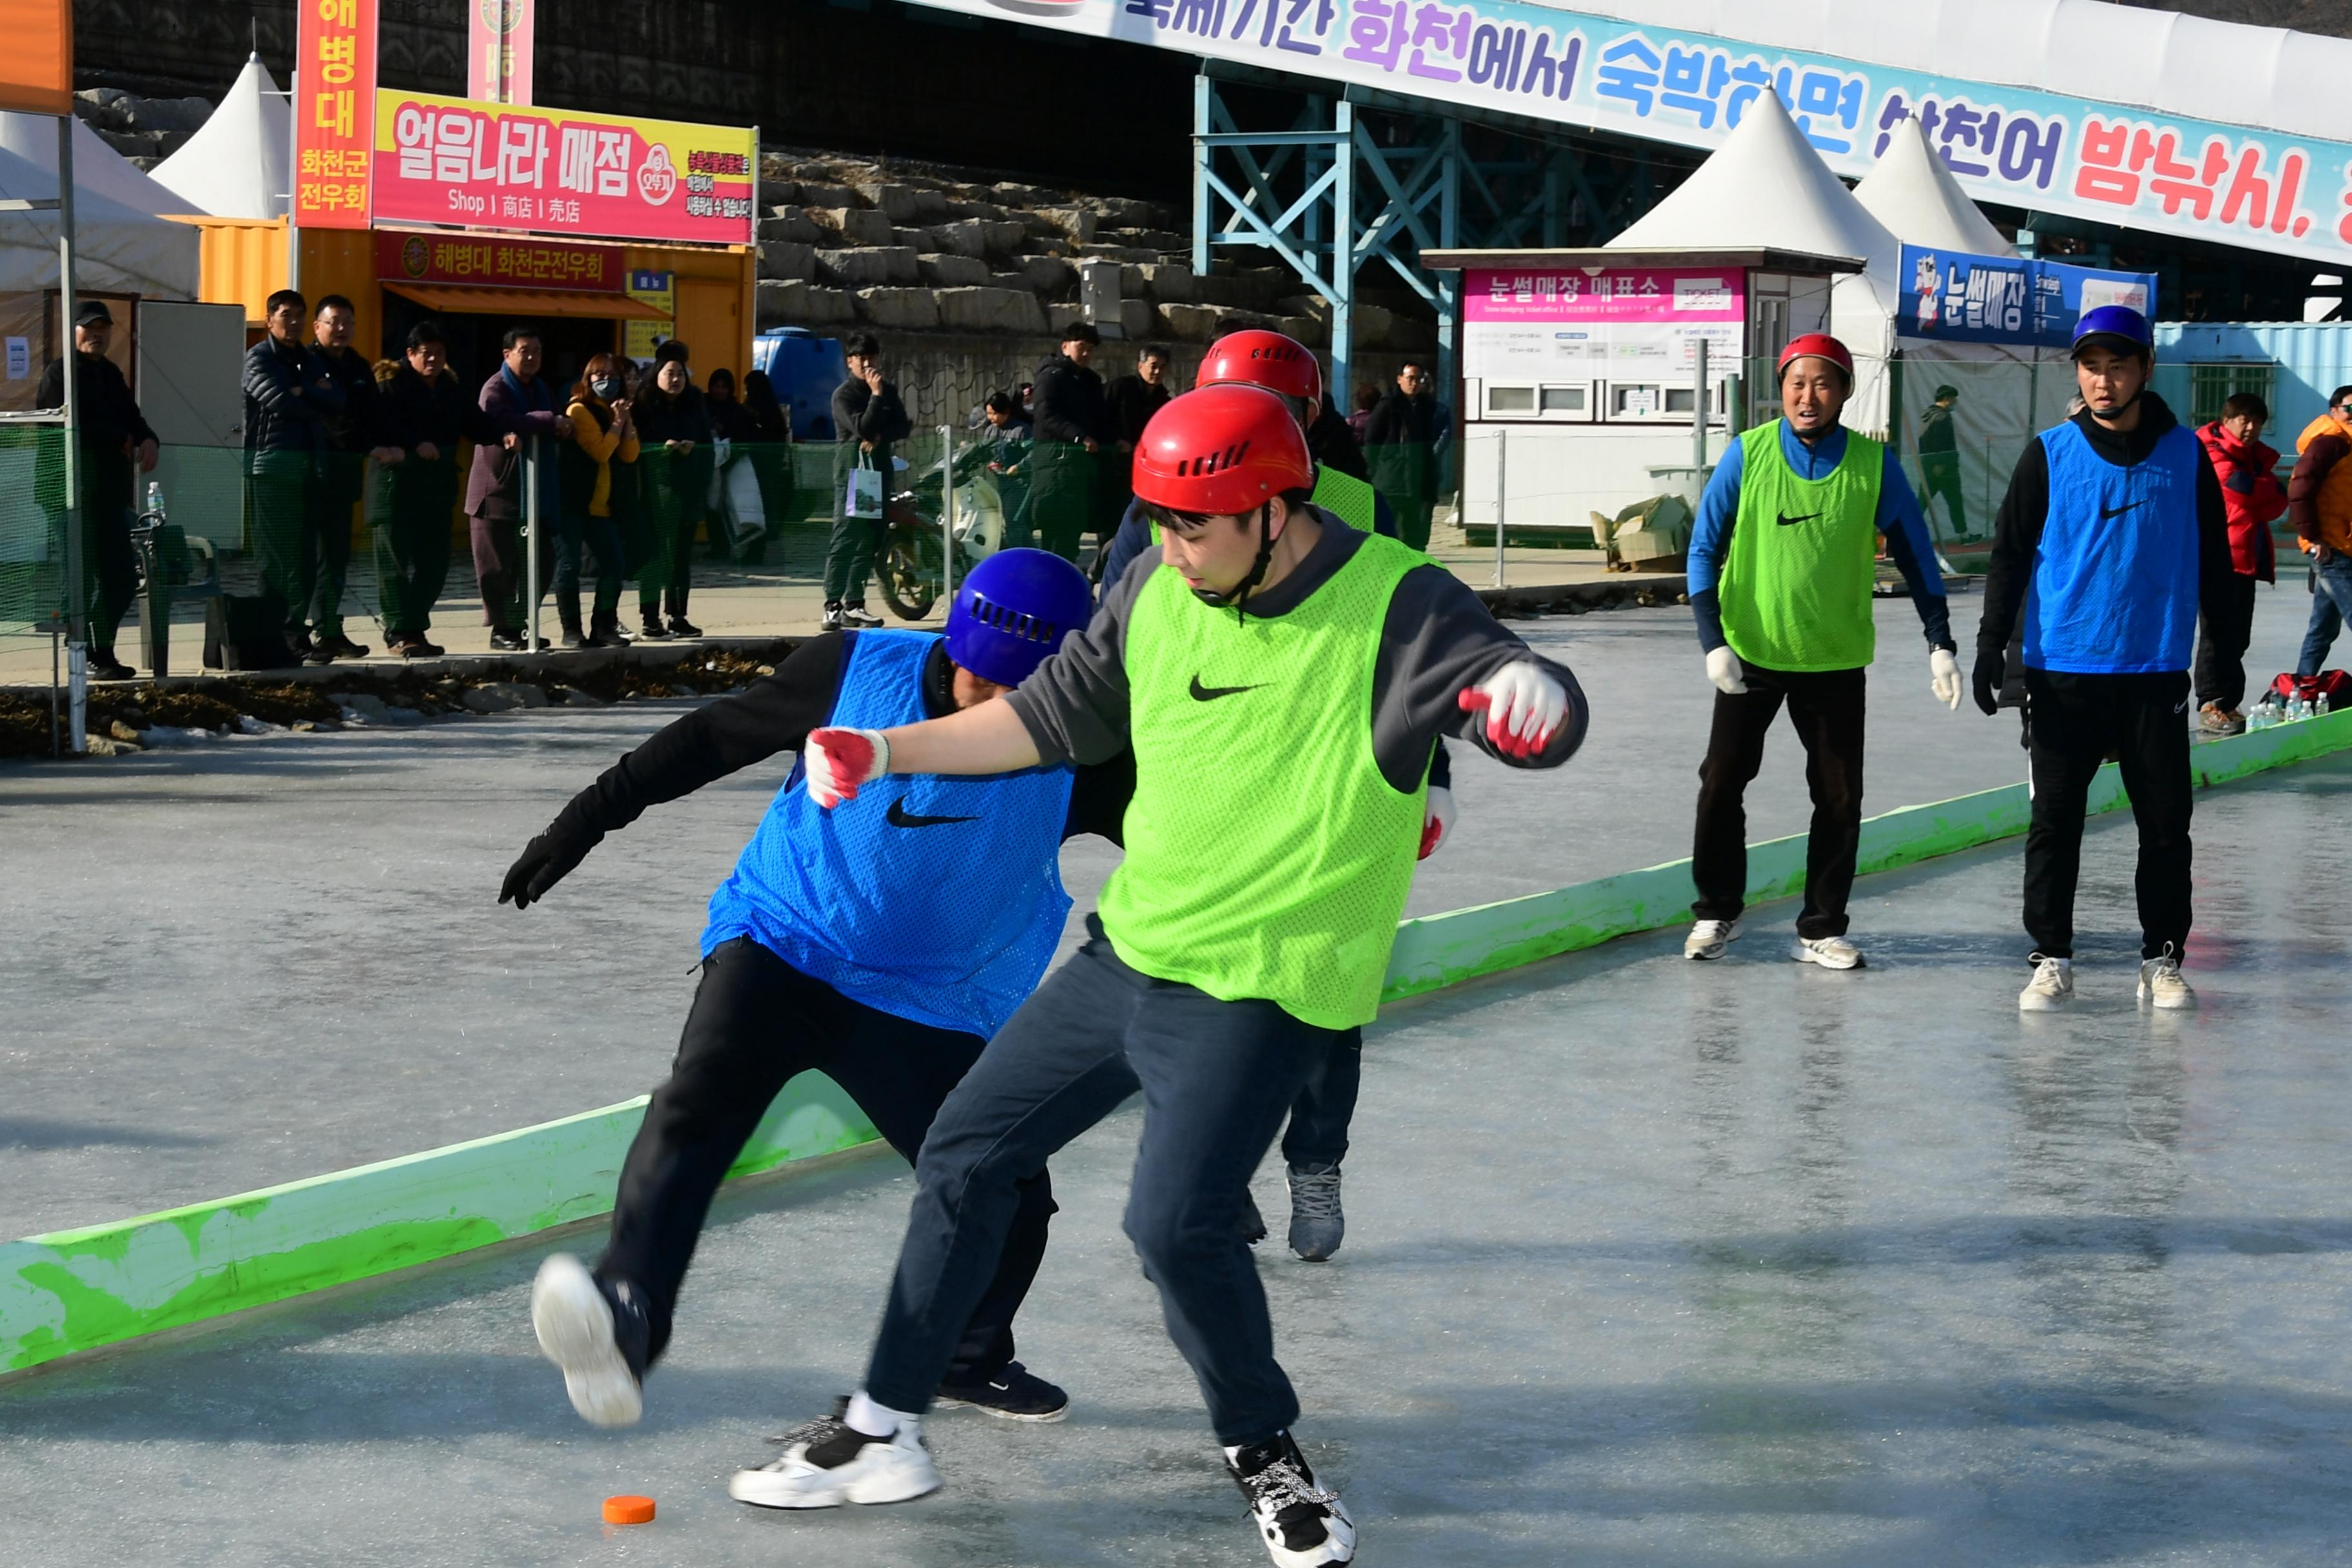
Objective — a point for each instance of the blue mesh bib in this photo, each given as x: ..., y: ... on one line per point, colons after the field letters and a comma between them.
x: 936, y: 899
x: 2115, y: 581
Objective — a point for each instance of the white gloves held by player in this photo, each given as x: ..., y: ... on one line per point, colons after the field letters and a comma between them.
x: 1724, y: 669
x: 1437, y: 821
x: 1946, y: 682
x: 838, y: 762
x: 1524, y: 707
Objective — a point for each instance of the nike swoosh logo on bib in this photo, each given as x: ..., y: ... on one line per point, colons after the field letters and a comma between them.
x: 1785, y: 521
x: 899, y: 817
x: 1210, y: 693
x: 2109, y: 514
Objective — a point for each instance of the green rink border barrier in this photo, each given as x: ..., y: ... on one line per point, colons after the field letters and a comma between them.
x: 75, y: 1290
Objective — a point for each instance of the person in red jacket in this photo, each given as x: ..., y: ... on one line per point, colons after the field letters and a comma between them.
x: 2249, y: 487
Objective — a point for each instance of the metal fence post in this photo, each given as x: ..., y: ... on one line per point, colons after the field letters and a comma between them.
x: 948, y: 512
x: 1502, y: 499
x: 530, y: 532
x: 77, y: 590
x: 1698, y: 404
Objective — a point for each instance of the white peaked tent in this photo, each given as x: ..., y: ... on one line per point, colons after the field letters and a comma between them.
x: 98, y: 169
x: 117, y: 249
x: 1766, y: 186
x: 1913, y: 193
x: 236, y: 165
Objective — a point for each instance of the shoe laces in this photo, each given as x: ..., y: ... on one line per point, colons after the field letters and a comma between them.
x: 1281, y: 1487
x: 1315, y: 1194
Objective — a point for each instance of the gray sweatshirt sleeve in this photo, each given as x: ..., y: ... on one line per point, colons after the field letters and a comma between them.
x: 1439, y: 639
x: 1074, y: 706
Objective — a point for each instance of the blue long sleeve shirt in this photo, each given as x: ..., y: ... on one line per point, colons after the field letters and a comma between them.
x: 1908, y: 543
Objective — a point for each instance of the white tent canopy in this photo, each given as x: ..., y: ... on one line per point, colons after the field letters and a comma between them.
x: 236, y: 165
x: 98, y: 169
x: 1913, y: 194
x: 118, y: 251
x: 1766, y: 186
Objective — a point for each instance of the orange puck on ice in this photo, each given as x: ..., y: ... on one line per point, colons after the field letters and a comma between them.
x: 627, y: 1509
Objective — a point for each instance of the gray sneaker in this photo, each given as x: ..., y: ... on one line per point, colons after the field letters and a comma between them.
x: 1315, y: 1223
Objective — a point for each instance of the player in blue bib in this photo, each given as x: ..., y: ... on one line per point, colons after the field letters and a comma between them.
x: 831, y: 949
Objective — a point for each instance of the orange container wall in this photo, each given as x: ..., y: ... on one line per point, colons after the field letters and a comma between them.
x: 714, y: 301
x: 243, y: 261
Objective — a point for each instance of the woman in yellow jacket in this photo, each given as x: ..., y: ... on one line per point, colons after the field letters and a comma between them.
x: 603, y: 435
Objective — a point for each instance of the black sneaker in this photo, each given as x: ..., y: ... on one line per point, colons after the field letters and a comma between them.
x: 1317, y: 1223
x: 1253, y: 1222
x: 653, y: 630
x: 298, y: 642
x: 679, y: 626
x: 574, y: 637
x: 340, y: 647
x: 505, y: 642
x: 1302, y: 1524
x: 859, y: 618
x: 318, y: 652
x: 1016, y: 1394
x: 596, y: 1331
x: 104, y: 666
x: 417, y: 647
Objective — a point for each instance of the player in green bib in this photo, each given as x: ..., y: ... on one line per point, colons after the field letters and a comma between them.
x: 1282, y: 680
x: 1782, y: 563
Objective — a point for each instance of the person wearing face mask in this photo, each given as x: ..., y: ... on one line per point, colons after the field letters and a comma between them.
x: 426, y: 414
x: 673, y: 479
x: 1782, y: 563
x: 2114, y: 538
x: 601, y: 435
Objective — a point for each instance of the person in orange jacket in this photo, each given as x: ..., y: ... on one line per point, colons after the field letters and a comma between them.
x: 2249, y: 488
x: 2319, y: 504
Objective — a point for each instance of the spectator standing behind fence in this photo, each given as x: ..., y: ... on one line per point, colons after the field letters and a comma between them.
x: 2319, y: 502
x: 1367, y: 397
x: 425, y: 415
x: 1073, y: 424
x: 354, y: 436
x: 289, y: 398
x: 2251, y: 495
x: 1001, y: 448
x: 1400, y: 446
x: 1130, y: 400
x: 523, y: 410
x: 738, y: 514
x: 673, y: 479
x: 771, y: 458
x: 1939, y: 458
x: 112, y: 435
x: 601, y: 432
x: 867, y: 418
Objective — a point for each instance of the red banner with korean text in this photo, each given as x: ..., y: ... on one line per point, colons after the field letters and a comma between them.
x: 559, y: 170
x: 499, y: 43
x: 334, y: 86
x: 498, y: 261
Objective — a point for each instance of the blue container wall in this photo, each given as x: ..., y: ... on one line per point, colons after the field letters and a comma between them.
x: 2313, y: 358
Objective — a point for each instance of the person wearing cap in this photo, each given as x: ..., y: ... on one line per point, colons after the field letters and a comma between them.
x: 2112, y: 540
x: 1939, y: 458
x: 114, y: 436
x: 1782, y: 564
x: 1280, y: 684
x: 1071, y: 460
x: 1315, y: 1141
x: 829, y: 950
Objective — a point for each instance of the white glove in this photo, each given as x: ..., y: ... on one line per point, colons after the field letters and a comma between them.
x: 1524, y: 707
x: 838, y: 762
x: 1437, y: 823
x: 1723, y: 667
x: 1946, y: 682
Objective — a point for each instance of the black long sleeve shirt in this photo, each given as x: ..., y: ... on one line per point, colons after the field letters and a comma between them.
x: 1070, y: 405
x: 775, y: 713
x: 106, y: 415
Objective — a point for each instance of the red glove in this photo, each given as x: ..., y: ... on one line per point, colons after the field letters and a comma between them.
x: 1524, y: 707
x: 1437, y: 826
x: 837, y: 762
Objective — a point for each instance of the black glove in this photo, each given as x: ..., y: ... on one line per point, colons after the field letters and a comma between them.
x: 544, y: 861
x: 1992, y: 668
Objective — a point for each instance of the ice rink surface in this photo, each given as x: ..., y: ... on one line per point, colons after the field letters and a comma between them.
x: 1648, y: 1263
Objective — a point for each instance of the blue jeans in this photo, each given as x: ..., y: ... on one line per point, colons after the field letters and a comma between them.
x: 1216, y: 1077
x: 2331, y: 601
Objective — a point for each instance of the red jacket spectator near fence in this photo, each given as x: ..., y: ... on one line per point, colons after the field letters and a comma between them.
x: 2253, y: 496
x: 2248, y: 474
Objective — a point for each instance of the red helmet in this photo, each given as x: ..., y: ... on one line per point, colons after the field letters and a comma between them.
x: 1221, y: 451
x: 1816, y: 345
x: 1261, y: 358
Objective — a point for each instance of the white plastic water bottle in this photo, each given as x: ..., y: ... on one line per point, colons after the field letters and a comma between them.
x: 2319, y: 705
x: 155, y: 498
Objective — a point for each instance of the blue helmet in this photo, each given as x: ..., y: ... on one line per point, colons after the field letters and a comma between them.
x: 2118, y: 326
x: 1013, y: 611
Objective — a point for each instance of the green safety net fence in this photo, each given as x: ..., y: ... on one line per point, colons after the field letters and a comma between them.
x: 32, y: 529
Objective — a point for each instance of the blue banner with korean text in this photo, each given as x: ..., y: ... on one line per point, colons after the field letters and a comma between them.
x: 2112, y: 162
x: 1955, y: 297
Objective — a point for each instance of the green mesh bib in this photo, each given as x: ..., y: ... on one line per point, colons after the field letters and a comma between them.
x: 1266, y: 858
x: 1796, y: 585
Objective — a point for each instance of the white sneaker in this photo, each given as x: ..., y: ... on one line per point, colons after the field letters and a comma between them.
x: 827, y: 1462
x: 1302, y: 1524
x: 1707, y: 939
x: 2052, y: 985
x: 1828, y: 952
x: 580, y: 1332
x: 2160, y: 983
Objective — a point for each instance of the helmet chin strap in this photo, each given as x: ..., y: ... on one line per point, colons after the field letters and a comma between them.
x: 1238, y: 594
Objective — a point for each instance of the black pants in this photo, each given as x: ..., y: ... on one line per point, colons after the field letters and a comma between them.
x: 282, y: 527
x: 409, y: 506
x: 757, y: 1023
x: 109, y: 564
x: 1217, y: 1077
x: 1826, y: 707
x: 1941, y: 470
x: 2077, y: 722
x: 1317, y: 1138
x: 2220, y: 679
